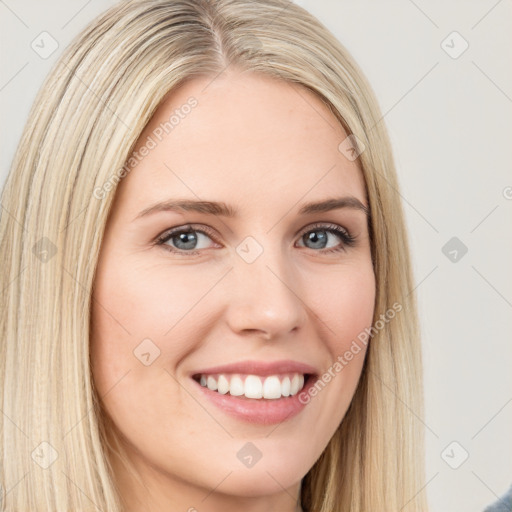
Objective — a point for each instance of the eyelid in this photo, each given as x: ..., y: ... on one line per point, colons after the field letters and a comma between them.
x: 324, y: 225
x: 347, y: 238
x: 200, y: 228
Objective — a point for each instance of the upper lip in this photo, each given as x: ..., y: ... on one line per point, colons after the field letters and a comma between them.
x: 260, y: 368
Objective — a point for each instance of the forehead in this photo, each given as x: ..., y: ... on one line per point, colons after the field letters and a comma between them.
x: 248, y: 139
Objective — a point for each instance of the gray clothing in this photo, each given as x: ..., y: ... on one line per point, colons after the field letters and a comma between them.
x: 503, y: 504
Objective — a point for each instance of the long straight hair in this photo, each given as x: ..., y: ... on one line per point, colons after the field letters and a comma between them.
x: 82, y: 128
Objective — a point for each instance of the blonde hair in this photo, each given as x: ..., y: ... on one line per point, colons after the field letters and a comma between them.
x: 82, y: 127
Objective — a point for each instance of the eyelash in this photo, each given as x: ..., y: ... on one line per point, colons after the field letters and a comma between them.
x: 347, y: 239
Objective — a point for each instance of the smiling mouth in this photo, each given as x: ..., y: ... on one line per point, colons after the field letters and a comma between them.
x: 255, y: 387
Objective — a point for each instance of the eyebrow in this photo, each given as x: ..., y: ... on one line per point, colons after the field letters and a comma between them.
x: 225, y: 210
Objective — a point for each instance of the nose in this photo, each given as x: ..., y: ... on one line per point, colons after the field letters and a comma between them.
x: 262, y: 299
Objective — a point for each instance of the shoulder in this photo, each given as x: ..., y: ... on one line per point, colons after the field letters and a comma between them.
x: 503, y: 504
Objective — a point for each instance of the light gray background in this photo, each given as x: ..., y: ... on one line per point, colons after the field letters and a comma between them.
x: 451, y: 127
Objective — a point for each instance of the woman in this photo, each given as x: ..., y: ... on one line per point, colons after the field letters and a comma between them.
x: 207, y: 289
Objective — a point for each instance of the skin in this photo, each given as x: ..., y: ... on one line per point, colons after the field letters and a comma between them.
x: 265, y: 147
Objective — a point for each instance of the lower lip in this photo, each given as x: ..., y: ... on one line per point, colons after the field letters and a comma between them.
x: 261, y: 411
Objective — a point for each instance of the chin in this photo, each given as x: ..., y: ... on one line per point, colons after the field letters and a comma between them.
x: 251, y: 484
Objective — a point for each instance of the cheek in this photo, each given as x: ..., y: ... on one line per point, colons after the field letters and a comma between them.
x: 344, y: 300
x: 130, y: 316
x: 140, y: 309
x: 344, y: 304
x: 135, y: 302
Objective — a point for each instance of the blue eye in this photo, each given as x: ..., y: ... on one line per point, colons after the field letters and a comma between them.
x: 320, y: 242
x: 185, y: 239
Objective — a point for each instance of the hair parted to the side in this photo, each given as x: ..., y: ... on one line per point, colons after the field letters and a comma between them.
x: 82, y: 128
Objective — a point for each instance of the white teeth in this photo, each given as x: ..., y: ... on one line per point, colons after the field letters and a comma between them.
x: 285, y: 386
x: 211, y: 383
x: 272, y: 388
x: 253, y: 386
x: 222, y: 385
x: 295, y: 385
x: 236, y: 388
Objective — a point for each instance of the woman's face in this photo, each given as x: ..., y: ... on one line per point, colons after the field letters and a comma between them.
x: 271, y: 291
